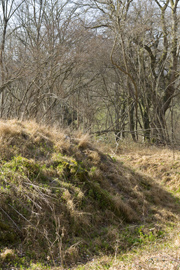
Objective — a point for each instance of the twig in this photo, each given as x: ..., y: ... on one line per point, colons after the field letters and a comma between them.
x: 11, y: 219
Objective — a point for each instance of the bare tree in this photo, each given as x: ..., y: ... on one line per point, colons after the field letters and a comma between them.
x: 145, y: 37
x: 8, y: 8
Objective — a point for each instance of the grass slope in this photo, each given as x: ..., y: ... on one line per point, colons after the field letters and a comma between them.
x: 63, y: 201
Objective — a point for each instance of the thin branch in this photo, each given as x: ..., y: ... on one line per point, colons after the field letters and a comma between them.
x: 10, y: 219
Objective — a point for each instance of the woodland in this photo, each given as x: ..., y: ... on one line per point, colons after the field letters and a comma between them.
x: 102, y: 66
x: 89, y: 134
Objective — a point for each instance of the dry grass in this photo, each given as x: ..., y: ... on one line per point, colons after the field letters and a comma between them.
x: 63, y: 200
x: 7, y: 254
x: 159, y: 255
x: 155, y: 256
x: 163, y: 164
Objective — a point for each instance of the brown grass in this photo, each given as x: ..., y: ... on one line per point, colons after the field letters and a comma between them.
x: 161, y: 163
x: 62, y: 194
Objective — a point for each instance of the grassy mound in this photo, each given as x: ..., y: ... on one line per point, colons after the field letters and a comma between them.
x: 64, y: 201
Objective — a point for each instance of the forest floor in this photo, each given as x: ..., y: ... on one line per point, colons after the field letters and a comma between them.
x: 67, y: 202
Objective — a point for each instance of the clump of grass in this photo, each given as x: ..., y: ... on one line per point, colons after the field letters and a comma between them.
x: 7, y: 255
x: 83, y: 140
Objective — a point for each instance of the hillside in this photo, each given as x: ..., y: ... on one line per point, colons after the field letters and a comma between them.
x: 64, y: 202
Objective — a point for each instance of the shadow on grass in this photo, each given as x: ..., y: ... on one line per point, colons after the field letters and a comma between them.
x: 76, y: 207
